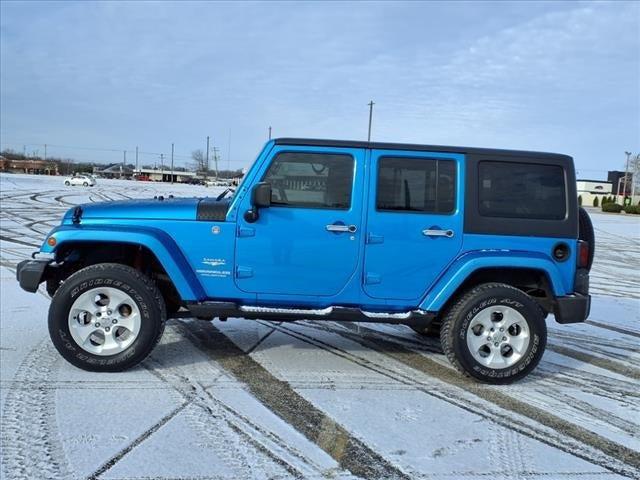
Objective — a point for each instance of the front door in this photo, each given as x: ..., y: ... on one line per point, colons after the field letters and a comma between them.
x: 414, y: 227
x: 306, y: 242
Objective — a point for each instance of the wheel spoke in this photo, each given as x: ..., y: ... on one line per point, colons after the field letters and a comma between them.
x: 129, y: 322
x: 505, y: 347
x: 477, y: 341
x: 110, y: 341
x: 84, y: 331
x: 104, y: 321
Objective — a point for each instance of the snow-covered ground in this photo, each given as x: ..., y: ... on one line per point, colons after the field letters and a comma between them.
x: 259, y: 399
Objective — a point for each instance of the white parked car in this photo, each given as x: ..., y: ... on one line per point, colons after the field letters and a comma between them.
x: 218, y: 183
x: 84, y: 180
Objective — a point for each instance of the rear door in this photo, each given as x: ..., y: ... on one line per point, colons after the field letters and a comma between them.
x: 414, y: 226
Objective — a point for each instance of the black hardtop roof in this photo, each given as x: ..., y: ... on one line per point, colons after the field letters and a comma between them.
x: 313, y: 142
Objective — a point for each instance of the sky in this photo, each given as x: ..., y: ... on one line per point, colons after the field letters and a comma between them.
x: 104, y: 77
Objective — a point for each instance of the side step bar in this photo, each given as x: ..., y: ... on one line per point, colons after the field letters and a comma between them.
x: 224, y: 310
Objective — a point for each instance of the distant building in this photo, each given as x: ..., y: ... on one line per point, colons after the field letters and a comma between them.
x: 616, y: 178
x: 32, y: 166
x: 590, y: 189
x: 155, y: 175
x: 116, y: 170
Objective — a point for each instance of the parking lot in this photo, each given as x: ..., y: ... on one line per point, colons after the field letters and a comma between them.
x: 264, y: 399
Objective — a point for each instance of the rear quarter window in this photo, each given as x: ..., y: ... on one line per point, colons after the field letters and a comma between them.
x: 520, y: 190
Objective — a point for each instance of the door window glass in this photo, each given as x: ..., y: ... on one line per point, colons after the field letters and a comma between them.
x: 311, y: 180
x: 416, y: 185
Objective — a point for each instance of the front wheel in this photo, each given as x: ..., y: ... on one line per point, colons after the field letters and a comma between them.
x: 106, y: 318
x: 67, y: 183
x: 494, y: 333
x: 85, y: 184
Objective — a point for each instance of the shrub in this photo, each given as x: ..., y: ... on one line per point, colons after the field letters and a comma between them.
x: 580, y: 200
x: 595, y: 201
x: 634, y: 209
x: 612, y: 207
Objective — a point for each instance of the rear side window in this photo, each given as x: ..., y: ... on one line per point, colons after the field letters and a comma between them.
x: 311, y: 180
x: 519, y: 190
x: 416, y: 185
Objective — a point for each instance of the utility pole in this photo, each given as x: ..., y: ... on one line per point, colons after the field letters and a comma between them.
x: 371, y: 104
x: 634, y: 176
x: 206, y: 165
x: 229, y: 152
x: 45, y: 152
x: 215, y: 160
x: 172, y: 163
x: 136, y: 158
x: 626, y: 172
x: 162, y: 164
x: 269, y: 132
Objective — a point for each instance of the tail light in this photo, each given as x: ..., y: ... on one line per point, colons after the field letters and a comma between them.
x: 583, y: 254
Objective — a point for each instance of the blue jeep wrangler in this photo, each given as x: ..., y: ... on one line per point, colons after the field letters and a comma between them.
x: 474, y: 245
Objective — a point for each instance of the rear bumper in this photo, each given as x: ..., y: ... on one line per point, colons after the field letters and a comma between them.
x: 30, y: 274
x: 572, y: 308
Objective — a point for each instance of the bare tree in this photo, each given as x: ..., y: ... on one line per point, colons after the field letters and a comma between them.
x: 199, y: 161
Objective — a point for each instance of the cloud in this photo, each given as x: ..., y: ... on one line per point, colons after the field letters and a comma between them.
x: 555, y: 75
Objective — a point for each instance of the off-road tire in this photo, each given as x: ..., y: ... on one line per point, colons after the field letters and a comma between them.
x: 455, y: 323
x: 586, y: 233
x: 122, y: 277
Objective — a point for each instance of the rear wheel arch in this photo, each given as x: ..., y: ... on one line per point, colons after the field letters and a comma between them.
x: 534, y: 282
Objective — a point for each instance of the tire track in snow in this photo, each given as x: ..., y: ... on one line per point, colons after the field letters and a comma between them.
x: 31, y: 442
x: 278, y: 396
x: 553, y: 431
x: 613, y: 328
x: 141, y: 438
x: 601, y: 362
x: 229, y: 426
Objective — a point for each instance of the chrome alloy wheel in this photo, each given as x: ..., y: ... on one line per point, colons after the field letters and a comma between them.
x: 104, y: 321
x: 498, y: 337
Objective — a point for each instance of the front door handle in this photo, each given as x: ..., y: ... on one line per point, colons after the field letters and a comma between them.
x: 429, y: 232
x: 334, y: 227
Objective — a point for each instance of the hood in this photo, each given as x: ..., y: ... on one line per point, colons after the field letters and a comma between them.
x: 158, y: 208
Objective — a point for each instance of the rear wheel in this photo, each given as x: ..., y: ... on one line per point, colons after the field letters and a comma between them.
x: 106, y: 317
x: 86, y: 184
x: 495, y: 333
x: 67, y: 183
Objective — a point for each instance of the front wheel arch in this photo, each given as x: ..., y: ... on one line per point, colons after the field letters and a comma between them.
x: 74, y: 256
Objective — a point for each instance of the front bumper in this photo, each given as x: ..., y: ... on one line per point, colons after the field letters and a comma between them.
x: 572, y: 308
x: 30, y: 273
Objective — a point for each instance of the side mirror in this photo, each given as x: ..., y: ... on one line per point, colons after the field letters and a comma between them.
x: 261, y: 195
x: 260, y: 198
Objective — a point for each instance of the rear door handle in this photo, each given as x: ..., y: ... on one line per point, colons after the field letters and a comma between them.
x: 341, y: 228
x: 437, y: 233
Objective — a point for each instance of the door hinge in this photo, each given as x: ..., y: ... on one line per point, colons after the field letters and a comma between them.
x: 246, y: 231
x: 244, y: 272
x: 373, y: 239
x: 372, y: 279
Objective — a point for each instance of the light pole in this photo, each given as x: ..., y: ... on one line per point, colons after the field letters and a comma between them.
x: 626, y: 172
x: 371, y: 104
